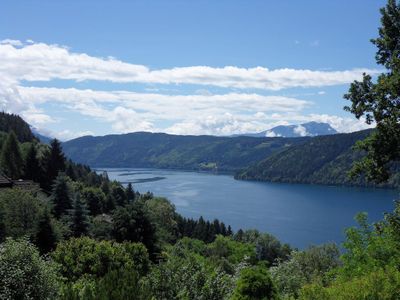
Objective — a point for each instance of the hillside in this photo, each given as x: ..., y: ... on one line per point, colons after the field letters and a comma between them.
x: 160, y: 150
x: 320, y: 160
x: 13, y: 122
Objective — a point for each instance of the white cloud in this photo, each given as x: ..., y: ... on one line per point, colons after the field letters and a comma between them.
x: 44, y: 62
x: 15, y: 43
x: 126, y: 111
x: 300, y: 130
x: 66, y: 135
x: 271, y: 133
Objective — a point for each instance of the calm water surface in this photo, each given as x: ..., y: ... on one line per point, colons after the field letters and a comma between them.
x: 297, y: 214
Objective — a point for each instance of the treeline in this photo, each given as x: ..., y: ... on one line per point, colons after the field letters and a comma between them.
x: 320, y: 160
x: 11, y: 122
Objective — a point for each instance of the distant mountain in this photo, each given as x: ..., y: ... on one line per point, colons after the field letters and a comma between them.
x: 319, y: 160
x: 160, y: 150
x: 42, y: 138
x: 305, y: 129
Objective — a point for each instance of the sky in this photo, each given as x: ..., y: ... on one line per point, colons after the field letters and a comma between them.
x: 74, y: 68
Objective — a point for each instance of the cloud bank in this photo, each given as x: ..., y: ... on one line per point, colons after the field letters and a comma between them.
x: 23, y: 64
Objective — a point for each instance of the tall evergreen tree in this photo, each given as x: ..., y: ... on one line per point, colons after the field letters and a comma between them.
x: 32, y: 168
x: 130, y: 194
x: 79, y: 221
x: 55, y: 161
x: 11, y: 158
x: 45, y: 237
x: 61, y: 196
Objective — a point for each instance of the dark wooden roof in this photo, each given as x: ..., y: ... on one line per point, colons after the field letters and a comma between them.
x: 5, y: 181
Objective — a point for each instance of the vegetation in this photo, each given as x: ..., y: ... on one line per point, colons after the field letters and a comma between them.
x: 86, y: 237
x: 160, y: 150
x: 379, y: 102
x: 320, y: 160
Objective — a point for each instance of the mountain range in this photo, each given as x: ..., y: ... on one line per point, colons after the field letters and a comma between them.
x: 301, y: 130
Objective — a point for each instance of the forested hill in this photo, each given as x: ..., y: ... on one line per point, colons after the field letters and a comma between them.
x: 320, y: 160
x: 160, y: 150
x: 15, y: 123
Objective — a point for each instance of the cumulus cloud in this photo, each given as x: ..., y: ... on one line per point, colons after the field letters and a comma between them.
x: 203, y: 112
x: 300, y: 130
x: 45, y: 62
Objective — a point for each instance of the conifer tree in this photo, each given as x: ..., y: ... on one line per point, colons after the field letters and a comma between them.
x: 130, y: 194
x: 54, y: 161
x: 61, y: 196
x: 11, y: 158
x: 79, y: 221
x: 45, y: 237
x: 32, y: 166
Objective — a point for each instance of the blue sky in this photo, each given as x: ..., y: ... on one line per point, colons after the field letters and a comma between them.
x: 186, y: 67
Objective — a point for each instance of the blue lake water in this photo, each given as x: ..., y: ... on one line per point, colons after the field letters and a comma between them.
x: 297, y: 214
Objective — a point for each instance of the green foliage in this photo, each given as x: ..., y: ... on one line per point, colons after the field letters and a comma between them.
x: 45, y: 237
x: 185, y: 274
x: 162, y: 214
x: 95, y: 200
x: 320, y: 160
x: 159, y: 150
x: 305, y: 267
x: 78, y: 218
x: 54, y: 163
x: 61, y: 195
x: 131, y: 223
x: 32, y: 168
x: 85, y: 257
x: 11, y: 122
x: 101, y: 227
x: 379, y: 102
x: 20, y: 212
x: 382, y: 284
x: 24, y: 274
x: 255, y: 283
x: 11, y: 157
x: 267, y: 247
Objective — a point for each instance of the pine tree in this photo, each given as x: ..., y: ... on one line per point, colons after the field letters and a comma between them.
x: 11, y: 158
x: 79, y: 221
x: 70, y: 171
x: 32, y: 166
x: 61, y: 196
x: 130, y: 194
x: 229, y: 231
x: 54, y: 161
x: 45, y: 237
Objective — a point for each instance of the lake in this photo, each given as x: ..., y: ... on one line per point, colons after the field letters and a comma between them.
x: 297, y: 214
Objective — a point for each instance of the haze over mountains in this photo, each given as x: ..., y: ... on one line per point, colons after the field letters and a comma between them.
x: 305, y: 129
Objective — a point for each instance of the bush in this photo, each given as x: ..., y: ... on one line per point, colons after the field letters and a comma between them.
x: 24, y: 274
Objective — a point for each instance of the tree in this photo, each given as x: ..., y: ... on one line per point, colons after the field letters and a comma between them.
x: 118, y: 193
x: 94, y: 199
x: 20, y: 212
x: 61, y: 196
x: 255, y: 284
x: 130, y: 193
x: 380, y: 102
x: 32, y: 168
x: 79, y: 218
x: 11, y: 157
x: 54, y: 163
x: 24, y: 274
x: 132, y: 224
x: 45, y: 237
x: 81, y: 257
